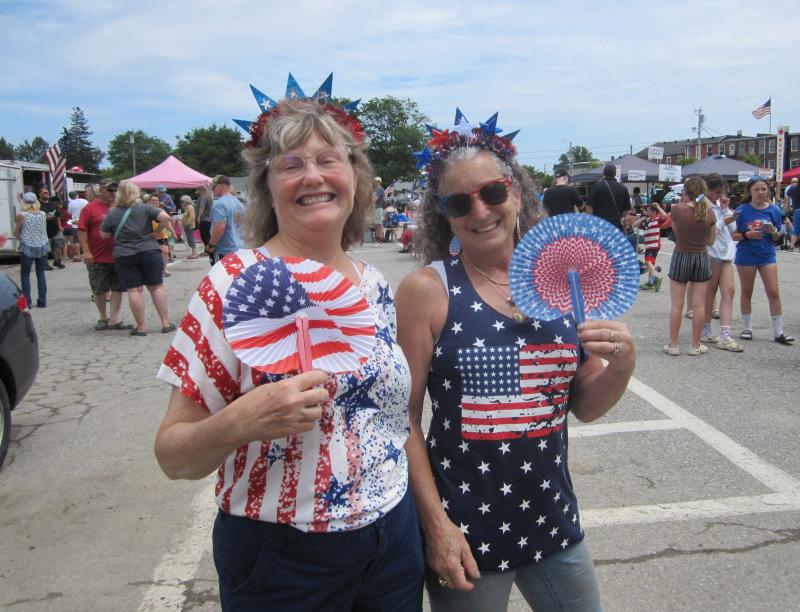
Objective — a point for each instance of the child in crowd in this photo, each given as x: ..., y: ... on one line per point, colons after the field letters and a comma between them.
x: 656, y: 219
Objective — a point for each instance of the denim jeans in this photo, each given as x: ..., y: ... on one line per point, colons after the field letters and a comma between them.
x: 267, y: 566
x: 564, y: 581
x: 25, y: 279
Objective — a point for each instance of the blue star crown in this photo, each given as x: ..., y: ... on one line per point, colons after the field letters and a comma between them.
x: 323, y: 96
x: 485, y: 135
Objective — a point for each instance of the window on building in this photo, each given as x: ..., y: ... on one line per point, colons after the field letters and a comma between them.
x: 680, y: 158
x: 795, y: 143
x: 709, y: 150
x: 771, y: 164
x: 751, y: 147
x: 732, y: 149
x: 772, y: 144
x: 794, y: 163
x: 741, y: 148
x: 690, y: 151
x: 762, y: 146
x: 669, y: 160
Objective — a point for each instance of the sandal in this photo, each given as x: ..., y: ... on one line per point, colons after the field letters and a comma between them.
x: 747, y: 334
x: 169, y: 328
x: 784, y: 339
x: 136, y: 332
x: 120, y: 326
x: 102, y: 325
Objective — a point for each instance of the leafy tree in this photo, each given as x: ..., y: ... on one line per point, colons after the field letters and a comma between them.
x: 753, y: 160
x: 212, y: 150
x: 6, y: 149
x: 686, y: 161
x: 150, y: 151
x: 396, y: 128
x: 75, y: 145
x: 32, y: 151
x: 579, y: 154
x: 545, y: 180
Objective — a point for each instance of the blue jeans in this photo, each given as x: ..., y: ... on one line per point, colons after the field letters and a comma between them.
x: 41, y: 282
x: 267, y: 566
x: 564, y: 581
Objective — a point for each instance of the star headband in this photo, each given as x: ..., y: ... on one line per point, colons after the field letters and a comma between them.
x: 323, y: 96
x: 464, y: 134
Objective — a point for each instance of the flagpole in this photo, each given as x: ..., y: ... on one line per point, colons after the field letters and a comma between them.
x: 770, y: 113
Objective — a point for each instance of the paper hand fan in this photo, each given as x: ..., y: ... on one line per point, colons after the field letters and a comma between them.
x: 574, y: 262
x: 288, y: 314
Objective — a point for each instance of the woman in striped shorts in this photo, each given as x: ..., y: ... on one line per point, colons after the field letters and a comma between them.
x: 694, y: 224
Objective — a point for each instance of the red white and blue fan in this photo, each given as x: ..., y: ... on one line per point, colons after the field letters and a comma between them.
x: 574, y: 262
x: 289, y: 314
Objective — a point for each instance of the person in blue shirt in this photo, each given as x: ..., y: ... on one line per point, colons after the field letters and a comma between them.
x: 757, y: 223
x: 227, y: 215
x: 791, y: 198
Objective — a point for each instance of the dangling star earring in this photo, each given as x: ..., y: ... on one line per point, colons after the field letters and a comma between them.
x: 455, y: 245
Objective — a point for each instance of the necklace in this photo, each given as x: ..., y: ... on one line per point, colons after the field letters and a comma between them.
x: 495, y: 286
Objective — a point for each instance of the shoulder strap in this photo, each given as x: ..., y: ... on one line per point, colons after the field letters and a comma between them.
x: 613, y: 199
x: 125, y: 216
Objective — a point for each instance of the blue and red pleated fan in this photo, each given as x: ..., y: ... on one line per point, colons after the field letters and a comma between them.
x: 574, y: 263
x: 284, y: 315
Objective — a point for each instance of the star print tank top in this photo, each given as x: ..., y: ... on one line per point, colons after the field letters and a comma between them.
x: 498, y: 436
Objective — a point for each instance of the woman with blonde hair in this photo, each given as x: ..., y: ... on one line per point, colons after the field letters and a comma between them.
x: 694, y: 225
x: 136, y: 253
x: 31, y: 231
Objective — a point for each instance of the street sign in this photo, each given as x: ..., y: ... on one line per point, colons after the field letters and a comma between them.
x: 637, y: 176
x: 670, y: 174
x: 655, y: 153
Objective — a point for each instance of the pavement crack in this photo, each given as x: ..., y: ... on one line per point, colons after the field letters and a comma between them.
x: 783, y: 536
x: 48, y: 597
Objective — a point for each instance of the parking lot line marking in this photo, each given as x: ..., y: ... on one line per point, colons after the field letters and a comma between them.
x: 168, y: 591
x: 689, y: 510
x: 602, y: 429
x: 767, y: 474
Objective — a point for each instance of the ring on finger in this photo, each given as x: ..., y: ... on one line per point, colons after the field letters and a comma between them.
x: 443, y: 582
x: 615, y: 352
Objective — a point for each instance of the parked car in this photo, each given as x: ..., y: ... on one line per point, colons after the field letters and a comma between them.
x: 19, y: 355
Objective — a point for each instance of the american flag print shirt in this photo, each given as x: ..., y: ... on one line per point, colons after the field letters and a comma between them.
x: 498, y: 439
x: 351, y: 468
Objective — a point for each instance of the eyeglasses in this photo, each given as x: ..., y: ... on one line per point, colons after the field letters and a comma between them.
x: 294, y: 166
x: 110, y: 189
x: 492, y: 193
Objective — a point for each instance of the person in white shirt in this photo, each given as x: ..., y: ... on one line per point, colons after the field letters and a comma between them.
x: 74, y: 208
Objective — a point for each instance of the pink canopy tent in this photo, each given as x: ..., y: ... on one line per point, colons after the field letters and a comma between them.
x: 172, y: 173
x: 788, y: 175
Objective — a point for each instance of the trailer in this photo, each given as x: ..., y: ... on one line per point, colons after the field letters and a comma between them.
x: 17, y: 177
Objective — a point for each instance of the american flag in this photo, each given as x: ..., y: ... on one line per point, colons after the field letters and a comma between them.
x: 389, y: 191
x: 58, y: 166
x: 763, y: 110
x: 515, y: 391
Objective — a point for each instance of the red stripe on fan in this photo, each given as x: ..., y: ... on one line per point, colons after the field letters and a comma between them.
x: 359, y: 306
x: 263, y: 340
x: 327, y: 296
x: 312, y: 277
x: 358, y: 331
x: 323, y: 349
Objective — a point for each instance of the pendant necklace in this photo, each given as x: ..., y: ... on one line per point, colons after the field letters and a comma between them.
x: 495, y: 285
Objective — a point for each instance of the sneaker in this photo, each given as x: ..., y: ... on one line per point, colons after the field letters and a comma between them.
x: 689, y: 314
x: 659, y: 280
x: 58, y: 264
x: 646, y: 287
x: 709, y: 337
x: 672, y: 350
x: 784, y: 339
x: 701, y: 349
x: 715, y: 314
x: 747, y: 334
x: 730, y: 345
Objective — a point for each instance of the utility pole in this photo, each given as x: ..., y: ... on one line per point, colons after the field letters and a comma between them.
x: 132, y: 142
x: 571, y: 157
x: 700, y: 119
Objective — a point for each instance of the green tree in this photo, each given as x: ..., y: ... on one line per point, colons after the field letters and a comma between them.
x: 579, y: 154
x: 6, y: 149
x: 545, y: 180
x: 753, y: 160
x: 686, y: 161
x: 396, y: 128
x: 212, y: 150
x: 32, y: 151
x: 75, y: 145
x: 150, y: 151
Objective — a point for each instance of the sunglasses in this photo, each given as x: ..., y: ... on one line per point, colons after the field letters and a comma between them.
x: 110, y: 189
x: 492, y: 193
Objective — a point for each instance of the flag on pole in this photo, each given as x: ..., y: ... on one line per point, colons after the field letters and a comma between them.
x: 763, y: 110
x: 389, y: 191
x: 58, y: 166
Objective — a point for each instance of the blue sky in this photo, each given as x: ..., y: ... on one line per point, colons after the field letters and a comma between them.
x: 606, y: 75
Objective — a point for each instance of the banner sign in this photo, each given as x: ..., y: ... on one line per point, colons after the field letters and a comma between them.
x: 637, y: 176
x: 655, y: 153
x: 618, y: 175
x: 670, y: 174
x: 779, y: 153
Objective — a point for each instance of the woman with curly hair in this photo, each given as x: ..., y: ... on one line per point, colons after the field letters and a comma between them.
x: 501, y: 386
